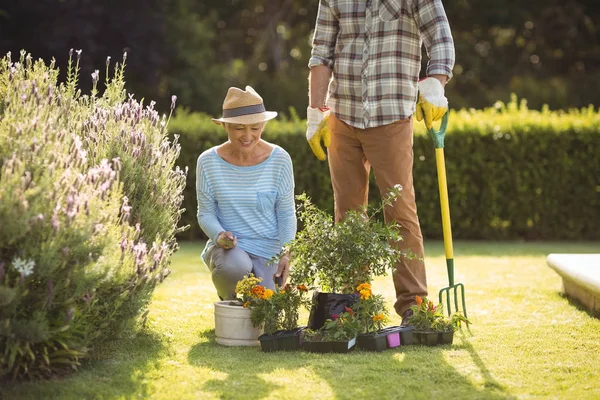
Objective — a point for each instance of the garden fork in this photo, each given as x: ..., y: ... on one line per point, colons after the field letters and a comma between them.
x: 453, y: 288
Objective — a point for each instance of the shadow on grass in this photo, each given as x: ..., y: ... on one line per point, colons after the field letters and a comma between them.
x: 579, y: 305
x: 116, y: 369
x: 411, y: 372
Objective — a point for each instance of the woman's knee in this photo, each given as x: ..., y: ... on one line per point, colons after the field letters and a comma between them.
x: 234, y: 264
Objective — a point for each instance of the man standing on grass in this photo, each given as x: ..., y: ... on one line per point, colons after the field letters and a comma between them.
x: 372, y: 50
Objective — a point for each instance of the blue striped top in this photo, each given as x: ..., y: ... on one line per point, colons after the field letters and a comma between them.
x: 255, y: 203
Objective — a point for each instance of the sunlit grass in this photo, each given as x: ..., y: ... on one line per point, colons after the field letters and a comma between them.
x: 527, y: 341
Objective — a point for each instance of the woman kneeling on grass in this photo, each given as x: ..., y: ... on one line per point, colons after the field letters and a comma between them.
x: 245, y: 193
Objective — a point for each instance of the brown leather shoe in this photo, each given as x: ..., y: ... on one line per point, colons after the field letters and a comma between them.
x: 405, y: 316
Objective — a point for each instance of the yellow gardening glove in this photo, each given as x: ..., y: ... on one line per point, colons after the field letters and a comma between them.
x: 318, y: 130
x: 432, y: 104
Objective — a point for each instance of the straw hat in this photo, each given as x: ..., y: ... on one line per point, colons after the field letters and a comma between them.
x: 244, y: 107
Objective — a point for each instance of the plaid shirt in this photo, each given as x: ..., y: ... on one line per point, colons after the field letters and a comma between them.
x: 374, y: 50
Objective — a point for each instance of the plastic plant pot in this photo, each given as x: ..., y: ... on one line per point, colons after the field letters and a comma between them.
x: 407, y: 336
x: 375, y: 341
x: 446, y: 337
x: 343, y: 346
x: 290, y: 340
x: 269, y: 343
x: 317, y: 347
x: 429, y: 338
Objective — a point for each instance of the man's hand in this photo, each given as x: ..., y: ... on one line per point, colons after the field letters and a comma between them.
x: 283, y: 271
x: 317, y: 130
x: 432, y: 104
x: 226, y: 240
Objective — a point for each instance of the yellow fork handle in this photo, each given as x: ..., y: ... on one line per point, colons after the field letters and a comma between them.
x: 447, y: 230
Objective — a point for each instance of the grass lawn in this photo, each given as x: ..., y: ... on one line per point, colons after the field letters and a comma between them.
x: 527, y: 341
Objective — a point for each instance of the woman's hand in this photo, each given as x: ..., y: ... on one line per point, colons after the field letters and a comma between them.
x: 226, y: 240
x: 283, y: 270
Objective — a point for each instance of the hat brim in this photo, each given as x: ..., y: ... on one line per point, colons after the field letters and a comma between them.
x: 247, y: 119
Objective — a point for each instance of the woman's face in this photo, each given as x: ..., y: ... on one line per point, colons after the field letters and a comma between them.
x: 244, y: 137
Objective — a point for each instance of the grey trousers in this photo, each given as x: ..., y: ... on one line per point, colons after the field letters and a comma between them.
x: 228, y: 267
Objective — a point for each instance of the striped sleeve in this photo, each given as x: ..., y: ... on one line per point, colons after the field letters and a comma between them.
x: 285, y: 207
x: 437, y: 37
x: 207, y: 206
x: 325, y: 37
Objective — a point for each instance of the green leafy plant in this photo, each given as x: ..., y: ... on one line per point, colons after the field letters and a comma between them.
x: 337, y: 257
x: 343, y: 326
x: 370, y: 309
x: 89, y: 208
x: 430, y: 317
x: 276, y: 310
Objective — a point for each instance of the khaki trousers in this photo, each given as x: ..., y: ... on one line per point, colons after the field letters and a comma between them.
x: 389, y: 150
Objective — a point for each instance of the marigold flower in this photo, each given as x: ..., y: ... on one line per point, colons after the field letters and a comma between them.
x: 267, y: 294
x: 247, y: 304
x: 419, y: 300
x: 363, y: 286
x: 365, y: 294
x: 257, y: 291
x: 379, y: 317
x: 302, y: 288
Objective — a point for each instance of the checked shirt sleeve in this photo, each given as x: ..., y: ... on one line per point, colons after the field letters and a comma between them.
x: 437, y: 37
x: 324, y: 39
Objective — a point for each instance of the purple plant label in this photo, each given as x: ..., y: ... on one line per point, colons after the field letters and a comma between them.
x: 393, y: 339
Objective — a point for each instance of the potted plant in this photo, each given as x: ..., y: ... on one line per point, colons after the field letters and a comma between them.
x: 336, y: 257
x: 372, y: 315
x: 277, y: 312
x: 432, y: 327
x: 233, y: 324
x: 337, y: 335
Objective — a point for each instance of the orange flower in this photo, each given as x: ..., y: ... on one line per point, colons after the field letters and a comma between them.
x: 349, y: 310
x: 258, y: 291
x: 302, y: 288
x: 430, y: 306
x: 267, y: 294
x: 247, y: 304
x: 379, y: 317
x: 419, y: 300
x: 365, y: 294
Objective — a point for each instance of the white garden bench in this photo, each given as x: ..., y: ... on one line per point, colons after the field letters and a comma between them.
x: 581, y: 276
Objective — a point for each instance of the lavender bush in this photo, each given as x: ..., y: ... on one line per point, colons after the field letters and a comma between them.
x: 89, y: 208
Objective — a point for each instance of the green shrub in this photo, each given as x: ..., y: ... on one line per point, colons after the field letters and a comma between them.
x: 513, y: 173
x: 89, y: 207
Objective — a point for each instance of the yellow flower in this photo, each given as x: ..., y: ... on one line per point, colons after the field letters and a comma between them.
x: 365, y: 294
x: 247, y: 304
x: 268, y: 293
x: 363, y: 286
x: 379, y: 317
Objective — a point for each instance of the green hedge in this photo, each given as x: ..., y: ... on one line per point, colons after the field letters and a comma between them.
x: 513, y: 173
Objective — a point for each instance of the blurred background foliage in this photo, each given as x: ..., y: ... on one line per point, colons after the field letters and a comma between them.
x: 545, y: 51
